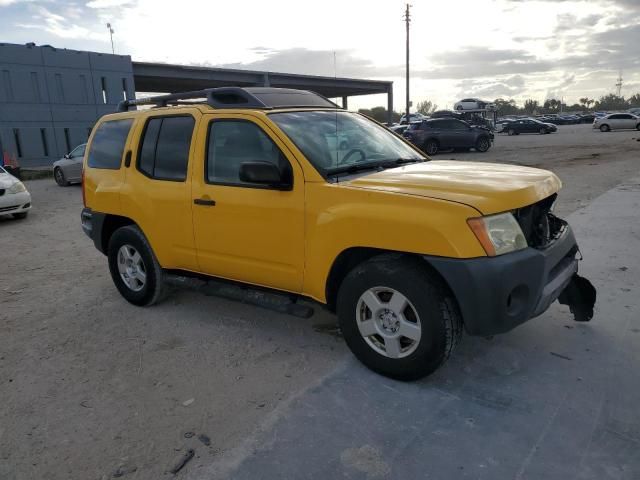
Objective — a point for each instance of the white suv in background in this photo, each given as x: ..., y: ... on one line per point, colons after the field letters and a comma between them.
x: 617, y: 121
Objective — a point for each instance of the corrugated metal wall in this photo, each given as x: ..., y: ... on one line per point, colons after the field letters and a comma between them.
x: 50, y: 98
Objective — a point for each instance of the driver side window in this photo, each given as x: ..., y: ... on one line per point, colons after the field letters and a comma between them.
x: 233, y: 142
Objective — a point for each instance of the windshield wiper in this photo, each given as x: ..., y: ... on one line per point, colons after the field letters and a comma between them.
x: 356, y: 167
x: 400, y: 161
x: 378, y: 165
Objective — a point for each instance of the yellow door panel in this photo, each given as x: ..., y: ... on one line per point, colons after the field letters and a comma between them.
x: 244, y: 231
x: 157, y: 199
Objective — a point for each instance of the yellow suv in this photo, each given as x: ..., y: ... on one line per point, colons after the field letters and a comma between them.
x: 282, y: 189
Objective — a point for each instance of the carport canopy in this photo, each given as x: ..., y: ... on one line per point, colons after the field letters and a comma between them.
x: 162, y: 77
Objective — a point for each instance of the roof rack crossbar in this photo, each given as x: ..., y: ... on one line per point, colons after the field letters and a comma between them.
x: 223, y: 97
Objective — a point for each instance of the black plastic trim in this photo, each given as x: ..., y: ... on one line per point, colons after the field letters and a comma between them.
x: 496, y: 294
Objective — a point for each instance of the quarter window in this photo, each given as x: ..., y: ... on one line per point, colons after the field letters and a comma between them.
x: 108, y: 144
x: 164, y: 153
x: 233, y: 142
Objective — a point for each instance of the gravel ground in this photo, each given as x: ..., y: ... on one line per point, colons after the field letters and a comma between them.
x: 94, y: 388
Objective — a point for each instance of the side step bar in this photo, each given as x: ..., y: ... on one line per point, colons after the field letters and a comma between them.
x: 270, y: 300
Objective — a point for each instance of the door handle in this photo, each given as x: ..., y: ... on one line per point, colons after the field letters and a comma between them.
x: 205, y: 202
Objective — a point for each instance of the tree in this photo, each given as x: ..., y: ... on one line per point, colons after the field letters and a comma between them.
x: 586, y: 102
x: 552, y: 105
x: 611, y: 102
x: 634, y: 100
x: 426, y: 107
x: 531, y: 106
x: 506, y: 107
x: 380, y: 114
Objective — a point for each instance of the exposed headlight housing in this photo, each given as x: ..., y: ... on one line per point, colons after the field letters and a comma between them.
x: 498, y: 234
x: 17, y: 187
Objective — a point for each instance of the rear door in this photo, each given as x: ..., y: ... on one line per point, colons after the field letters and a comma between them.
x: 158, y: 186
x: 74, y: 170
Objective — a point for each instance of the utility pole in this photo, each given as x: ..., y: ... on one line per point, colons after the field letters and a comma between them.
x: 111, y: 35
x: 407, y: 20
x: 619, y: 85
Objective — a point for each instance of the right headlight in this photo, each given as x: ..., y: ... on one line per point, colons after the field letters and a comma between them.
x: 498, y: 234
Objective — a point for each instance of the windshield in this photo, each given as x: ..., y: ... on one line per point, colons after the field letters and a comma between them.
x: 336, y: 141
x: 2, y: 170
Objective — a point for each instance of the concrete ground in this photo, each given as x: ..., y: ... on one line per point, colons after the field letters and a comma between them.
x: 94, y: 388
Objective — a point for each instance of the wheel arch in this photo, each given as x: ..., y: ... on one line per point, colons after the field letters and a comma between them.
x: 350, y: 258
x: 111, y: 223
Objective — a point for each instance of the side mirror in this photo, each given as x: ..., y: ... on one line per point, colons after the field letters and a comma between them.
x: 67, y: 156
x: 264, y: 173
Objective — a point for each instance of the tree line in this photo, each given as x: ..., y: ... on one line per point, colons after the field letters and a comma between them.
x: 530, y: 107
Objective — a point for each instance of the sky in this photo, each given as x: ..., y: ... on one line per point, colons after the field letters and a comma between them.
x: 516, y: 49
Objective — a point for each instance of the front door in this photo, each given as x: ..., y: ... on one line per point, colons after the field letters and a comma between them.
x: 74, y: 171
x: 244, y: 231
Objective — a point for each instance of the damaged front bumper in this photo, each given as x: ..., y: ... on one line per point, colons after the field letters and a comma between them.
x: 496, y: 294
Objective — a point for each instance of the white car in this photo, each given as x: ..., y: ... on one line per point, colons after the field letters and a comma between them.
x: 617, y: 121
x: 14, y: 198
x: 473, y: 104
x: 413, y: 117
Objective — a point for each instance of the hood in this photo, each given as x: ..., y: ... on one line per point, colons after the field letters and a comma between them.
x: 6, y: 180
x: 488, y: 187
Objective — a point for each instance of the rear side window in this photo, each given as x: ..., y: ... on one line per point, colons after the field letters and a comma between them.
x: 108, y: 144
x: 164, y: 153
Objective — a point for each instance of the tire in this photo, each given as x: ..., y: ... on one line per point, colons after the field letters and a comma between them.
x: 483, y: 144
x: 459, y: 108
x: 124, y: 244
x: 58, y: 175
x: 638, y: 126
x: 511, y: 132
x: 20, y: 216
x: 542, y: 131
x: 430, y: 313
x: 604, y: 128
x: 431, y: 147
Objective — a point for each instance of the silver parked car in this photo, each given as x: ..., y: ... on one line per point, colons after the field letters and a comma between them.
x: 617, y: 121
x: 69, y: 168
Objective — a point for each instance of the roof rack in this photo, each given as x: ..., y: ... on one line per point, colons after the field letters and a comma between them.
x: 237, y: 97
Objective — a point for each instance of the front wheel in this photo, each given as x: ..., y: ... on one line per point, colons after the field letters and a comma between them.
x: 542, y: 131
x: 604, y: 128
x: 134, y: 268
x: 397, y: 318
x: 483, y: 144
x: 511, y: 132
x: 638, y: 126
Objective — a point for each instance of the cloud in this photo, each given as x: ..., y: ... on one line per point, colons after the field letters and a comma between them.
x: 315, y: 62
x: 108, y: 3
x: 504, y: 87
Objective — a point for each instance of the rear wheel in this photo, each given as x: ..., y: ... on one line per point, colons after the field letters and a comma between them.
x: 134, y: 268
x: 638, y: 126
x: 397, y: 318
x: 431, y: 147
x: 604, y: 128
x: 511, y: 132
x: 58, y: 175
x: 483, y: 144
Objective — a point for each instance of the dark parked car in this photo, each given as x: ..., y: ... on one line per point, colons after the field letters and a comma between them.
x: 529, y: 125
x: 448, y: 133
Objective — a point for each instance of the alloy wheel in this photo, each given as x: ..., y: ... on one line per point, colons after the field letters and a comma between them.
x: 131, y: 268
x: 388, y: 322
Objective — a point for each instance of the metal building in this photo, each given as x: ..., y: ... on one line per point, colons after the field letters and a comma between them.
x: 50, y: 98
